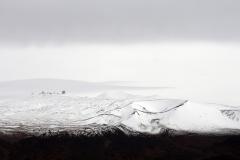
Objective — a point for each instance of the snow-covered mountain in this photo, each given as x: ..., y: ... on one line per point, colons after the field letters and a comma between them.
x: 39, y: 114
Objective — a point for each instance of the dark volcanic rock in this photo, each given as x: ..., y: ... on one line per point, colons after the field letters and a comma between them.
x: 119, y: 146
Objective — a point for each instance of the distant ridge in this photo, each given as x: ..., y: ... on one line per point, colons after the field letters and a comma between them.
x: 27, y: 86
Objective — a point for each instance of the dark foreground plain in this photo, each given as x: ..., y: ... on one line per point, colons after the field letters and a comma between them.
x: 118, y: 146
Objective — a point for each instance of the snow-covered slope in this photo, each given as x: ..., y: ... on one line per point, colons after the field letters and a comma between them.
x: 42, y: 113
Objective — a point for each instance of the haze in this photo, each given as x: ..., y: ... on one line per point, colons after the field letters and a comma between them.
x: 191, y: 44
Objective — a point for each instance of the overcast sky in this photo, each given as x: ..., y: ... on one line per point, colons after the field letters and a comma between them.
x: 45, y: 21
x: 191, y: 43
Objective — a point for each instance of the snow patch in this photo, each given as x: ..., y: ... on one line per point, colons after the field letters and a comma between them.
x: 137, y: 113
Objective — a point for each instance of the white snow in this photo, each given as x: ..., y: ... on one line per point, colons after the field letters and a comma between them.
x: 201, y: 118
x: 142, y: 114
x: 146, y: 114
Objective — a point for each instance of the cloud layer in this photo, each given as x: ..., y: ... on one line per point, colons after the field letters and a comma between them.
x: 61, y: 21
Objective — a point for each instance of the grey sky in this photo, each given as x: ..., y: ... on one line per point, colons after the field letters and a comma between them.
x: 191, y: 44
x: 60, y: 21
